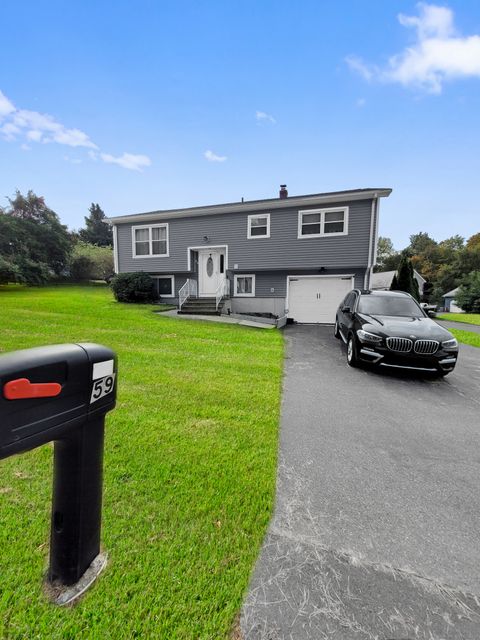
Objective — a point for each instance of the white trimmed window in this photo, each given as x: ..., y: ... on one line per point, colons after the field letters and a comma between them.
x: 316, y: 223
x: 244, y: 285
x: 165, y: 286
x: 150, y: 241
x: 258, y: 226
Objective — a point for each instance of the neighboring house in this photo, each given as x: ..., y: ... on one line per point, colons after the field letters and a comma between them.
x: 383, y: 280
x: 449, y: 303
x: 291, y: 256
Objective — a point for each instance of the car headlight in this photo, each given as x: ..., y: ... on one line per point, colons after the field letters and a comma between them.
x: 365, y: 336
x: 450, y: 344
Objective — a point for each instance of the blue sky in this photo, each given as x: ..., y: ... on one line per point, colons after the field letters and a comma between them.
x: 149, y: 105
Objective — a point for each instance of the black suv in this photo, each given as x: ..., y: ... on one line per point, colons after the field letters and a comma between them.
x: 389, y: 328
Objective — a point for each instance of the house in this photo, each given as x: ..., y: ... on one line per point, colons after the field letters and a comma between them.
x: 449, y: 303
x: 291, y: 256
x: 383, y: 280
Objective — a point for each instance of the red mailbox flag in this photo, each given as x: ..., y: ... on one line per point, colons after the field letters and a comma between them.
x: 22, y: 389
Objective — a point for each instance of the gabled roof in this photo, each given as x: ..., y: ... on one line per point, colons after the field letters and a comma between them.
x: 255, y: 205
x: 451, y: 294
x: 383, y: 279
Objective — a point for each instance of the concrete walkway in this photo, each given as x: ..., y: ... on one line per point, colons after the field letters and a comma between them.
x: 225, y: 319
x: 474, y: 328
x: 376, y: 530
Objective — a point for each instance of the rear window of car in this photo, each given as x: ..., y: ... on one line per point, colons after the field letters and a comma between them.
x: 389, y: 306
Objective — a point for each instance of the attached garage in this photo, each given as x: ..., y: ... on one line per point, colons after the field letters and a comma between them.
x: 314, y: 299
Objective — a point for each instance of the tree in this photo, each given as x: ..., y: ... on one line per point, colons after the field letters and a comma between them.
x: 97, y: 231
x: 91, y: 262
x: 419, y: 242
x: 32, y: 239
x: 405, y: 280
x: 394, y: 285
x: 385, y: 251
x: 468, y: 296
x: 473, y: 242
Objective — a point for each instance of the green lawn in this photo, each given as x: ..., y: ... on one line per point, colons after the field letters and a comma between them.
x: 190, y: 462
x: 467, y: 337
x: 468, y: 318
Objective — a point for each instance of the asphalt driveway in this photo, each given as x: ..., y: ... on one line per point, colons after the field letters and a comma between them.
x: 376, y: 532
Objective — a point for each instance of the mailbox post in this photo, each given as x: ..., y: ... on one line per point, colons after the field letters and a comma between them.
x: 61, y: 393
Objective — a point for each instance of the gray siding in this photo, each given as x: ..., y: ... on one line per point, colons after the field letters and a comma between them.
x: 277, y: 280
x: 283, y: 250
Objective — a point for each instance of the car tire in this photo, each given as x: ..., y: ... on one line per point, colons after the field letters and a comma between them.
x: 336, y: 331
x: 352, y: 352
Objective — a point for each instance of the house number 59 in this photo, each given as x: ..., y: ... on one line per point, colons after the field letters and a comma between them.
x: 102, y: 387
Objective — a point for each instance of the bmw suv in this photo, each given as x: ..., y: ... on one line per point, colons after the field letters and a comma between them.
x: 390, y: 329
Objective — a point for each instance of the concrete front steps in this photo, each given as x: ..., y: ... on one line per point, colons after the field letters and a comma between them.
x: 201, y: 306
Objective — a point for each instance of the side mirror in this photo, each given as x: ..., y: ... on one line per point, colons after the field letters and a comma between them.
x: 346, y: 310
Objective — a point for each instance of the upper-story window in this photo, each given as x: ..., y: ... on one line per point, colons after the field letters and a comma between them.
x: 259, y: 226
x: 315, y: 223
x: 150, y: 241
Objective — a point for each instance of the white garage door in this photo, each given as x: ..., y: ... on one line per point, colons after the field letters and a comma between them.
x: 315, y: 299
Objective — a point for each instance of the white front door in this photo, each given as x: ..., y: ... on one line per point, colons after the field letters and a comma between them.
x: 211, y: 271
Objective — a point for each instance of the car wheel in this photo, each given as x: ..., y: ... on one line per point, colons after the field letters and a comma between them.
x: 336, y: 331
x: 352, y: 355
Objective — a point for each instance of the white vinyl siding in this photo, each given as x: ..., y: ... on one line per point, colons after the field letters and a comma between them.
x: 317, y: 223
x: 150, y: 241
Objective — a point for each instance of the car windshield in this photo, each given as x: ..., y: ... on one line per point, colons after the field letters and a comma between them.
x: 389, y: 306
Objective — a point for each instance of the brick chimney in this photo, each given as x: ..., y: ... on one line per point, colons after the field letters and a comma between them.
x: 283, y: 192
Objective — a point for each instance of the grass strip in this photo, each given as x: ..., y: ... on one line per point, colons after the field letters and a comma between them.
x: 467, y: 318
x: 467, y: 337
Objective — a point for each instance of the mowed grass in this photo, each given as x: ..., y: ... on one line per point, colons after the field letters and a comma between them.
x: 467, y: 337
x: 468, y: 318
x: 190, y: 461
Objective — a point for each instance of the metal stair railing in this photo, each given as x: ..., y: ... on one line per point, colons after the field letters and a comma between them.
x: 188, y: 290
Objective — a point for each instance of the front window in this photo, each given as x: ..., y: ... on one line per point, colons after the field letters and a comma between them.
x: 389, y: 306
x: 244, y: 285
x: 165, y: 286
x: 150, y: 241
x: 259, y: 226
x: 323, y: 222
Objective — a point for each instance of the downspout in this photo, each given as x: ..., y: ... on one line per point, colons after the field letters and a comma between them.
x: 115, y: 248
x: 372, y: 244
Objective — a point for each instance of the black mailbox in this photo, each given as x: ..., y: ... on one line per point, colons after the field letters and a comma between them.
x: 62, y: 393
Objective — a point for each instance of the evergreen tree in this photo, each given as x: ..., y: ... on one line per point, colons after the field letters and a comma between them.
x: 405, y: 278
x: 394, y: 285
x: 96, y: 231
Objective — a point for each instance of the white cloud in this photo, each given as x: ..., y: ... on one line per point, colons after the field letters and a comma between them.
x: 213, y: 157
x: 6, y: 107
x: 9, y: 131
x: 43, y: 128
x: 127, y: 161
x: 261, y: 116
x: 438, y: 55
